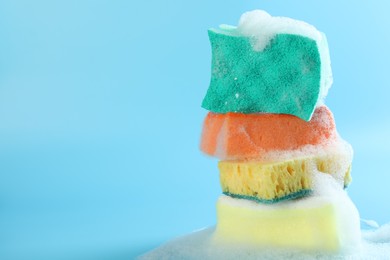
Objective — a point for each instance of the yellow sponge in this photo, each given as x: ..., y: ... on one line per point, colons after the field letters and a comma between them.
x: 312, y: 223
x: 273, y: 182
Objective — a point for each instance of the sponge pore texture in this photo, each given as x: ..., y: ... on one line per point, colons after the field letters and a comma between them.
x: 284, y: 78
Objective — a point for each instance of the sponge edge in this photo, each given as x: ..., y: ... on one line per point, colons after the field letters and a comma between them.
x: 274, y: 182
x: 315, y: 223
x: 289, y: 55
x: 241, y: 77
x: 262, y: 51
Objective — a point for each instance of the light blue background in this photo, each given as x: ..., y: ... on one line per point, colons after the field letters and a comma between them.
x: 100, y: 118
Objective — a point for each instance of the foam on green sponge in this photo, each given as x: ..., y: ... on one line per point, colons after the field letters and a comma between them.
x: 268, y: 64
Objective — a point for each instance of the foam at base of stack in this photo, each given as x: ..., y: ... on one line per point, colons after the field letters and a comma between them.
x: 198, y: 245
x: 314, y: 223
x: 204, y: 244
x: 277, y: 181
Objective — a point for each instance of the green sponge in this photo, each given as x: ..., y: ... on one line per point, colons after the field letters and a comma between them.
x: 284, y: 78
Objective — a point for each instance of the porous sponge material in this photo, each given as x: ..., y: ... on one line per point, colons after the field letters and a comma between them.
x: 313, y: 223
x: 277, y: 181
x: 268, y: 64
x: 237, y: 136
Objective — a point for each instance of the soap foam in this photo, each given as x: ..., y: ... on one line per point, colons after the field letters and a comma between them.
x: 198, y: 246
x: 380, y: 235
x: 326, y: 186
x: 263, y: 27
x: 369, y: 223
x: 333, y: 147
x: 326, y: 190
x: 358, y: 245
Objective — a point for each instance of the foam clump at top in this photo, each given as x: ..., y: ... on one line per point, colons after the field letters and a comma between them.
x: 264, y: 27
x: 249, y: 25
x: 268, y: 64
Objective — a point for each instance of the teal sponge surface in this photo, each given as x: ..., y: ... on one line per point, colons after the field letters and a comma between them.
x: 284, y: 78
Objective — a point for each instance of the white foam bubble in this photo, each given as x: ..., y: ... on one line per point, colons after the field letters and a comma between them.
x: 263, y: 27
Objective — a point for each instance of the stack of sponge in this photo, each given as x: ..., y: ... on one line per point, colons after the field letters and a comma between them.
x: 276, y: 140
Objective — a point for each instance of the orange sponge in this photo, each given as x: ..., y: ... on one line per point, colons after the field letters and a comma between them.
x: 236, y: 136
